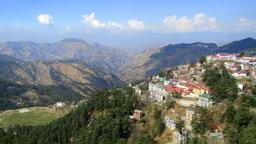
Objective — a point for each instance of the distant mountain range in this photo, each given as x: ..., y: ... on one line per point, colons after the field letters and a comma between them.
x: 151, y: 61
x: 114, y: 61
x: 71, y: 48
x: 49, y: 82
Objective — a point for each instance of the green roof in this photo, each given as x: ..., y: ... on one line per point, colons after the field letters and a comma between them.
x: 205, y: 95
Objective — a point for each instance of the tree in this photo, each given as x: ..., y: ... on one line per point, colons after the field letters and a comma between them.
x: 121, y: 141
x: 176, y: 95
x: 230, y: 112
x: 249, y: 134
x: 202, y: 59
x: 243, y: 116
x: 243, y: 53
x: 201, y: 120
x: 222, y: 84
x: 191, y: 65
x: 232, y: 134
x: 160, y: 126
x: 109, y: 127
x: 143, y: 139
x: 170, y: 104
x: 179, y: 124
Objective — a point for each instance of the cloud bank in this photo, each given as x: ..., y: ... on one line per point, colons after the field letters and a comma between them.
x: 136, y: 25
x: 200, y: 22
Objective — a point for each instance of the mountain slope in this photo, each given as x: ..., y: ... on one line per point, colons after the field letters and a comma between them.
x: 71, y: 48
x: 152, y: 61
x: 248, y: 44
x: 56, y: 81
x: 73, y: 73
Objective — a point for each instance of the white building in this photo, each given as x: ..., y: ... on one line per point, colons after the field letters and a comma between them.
x: 59, y: 104
x: 166, y: 82
x: 240, y: 86
x: 169, y: 123
x: 137, y: 90
x: 157, y: 92
x: 221, y: 56
x: 205, y: 101
x: 239, y: 75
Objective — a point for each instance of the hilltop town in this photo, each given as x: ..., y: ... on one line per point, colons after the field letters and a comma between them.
x: 188, y: 102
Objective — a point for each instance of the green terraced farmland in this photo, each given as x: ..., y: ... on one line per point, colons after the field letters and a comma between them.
x: 30, y: 116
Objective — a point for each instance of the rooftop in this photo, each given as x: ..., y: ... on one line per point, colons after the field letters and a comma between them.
x: 205, y: 95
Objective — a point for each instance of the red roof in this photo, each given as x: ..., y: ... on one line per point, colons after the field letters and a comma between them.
x: 214, y: 126
x: 197, y: 86
x: 173, y: 88
x: 190, y: 88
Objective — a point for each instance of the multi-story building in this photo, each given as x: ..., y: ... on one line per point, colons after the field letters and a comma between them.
x: 157, y: 92
x: 205, y: 100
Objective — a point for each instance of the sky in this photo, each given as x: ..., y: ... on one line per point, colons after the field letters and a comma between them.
x: 130, y: 24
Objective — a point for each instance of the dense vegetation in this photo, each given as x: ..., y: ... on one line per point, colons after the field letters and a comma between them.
x: 222, y: 84
x: 201, y: 121
x: 103, y: 119
x: 240, y: 121
x: 239, y: 117
x: 13, y: 95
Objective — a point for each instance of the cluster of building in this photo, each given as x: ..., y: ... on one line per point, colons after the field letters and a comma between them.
x: 239, y: 66
x: 192, y: 92
x: 185, y: 88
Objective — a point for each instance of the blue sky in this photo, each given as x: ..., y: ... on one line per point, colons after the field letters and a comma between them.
x: 128, y: 23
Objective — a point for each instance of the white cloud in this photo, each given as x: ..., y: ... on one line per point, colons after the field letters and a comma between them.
x: 244, y: 25
x: 136, y: 25
x: 95, y: 23
x: 45, y: 19
x: 115, y: 26
x: 173, y: 24
x: 244, y: 22
x: 200, y: 22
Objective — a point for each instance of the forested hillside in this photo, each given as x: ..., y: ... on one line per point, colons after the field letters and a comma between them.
x: 103, y: 119
x: 13, y: 95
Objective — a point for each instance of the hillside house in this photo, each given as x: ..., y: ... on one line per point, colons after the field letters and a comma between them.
x: 137, y: 90
x: 205, y: 101
x: 198, y: 88
x: 157, y: 92
x: 166, y: 82
x: 170, y: 123
x: 138, y: 115
x: 239, y: 74
x: 59, y: 104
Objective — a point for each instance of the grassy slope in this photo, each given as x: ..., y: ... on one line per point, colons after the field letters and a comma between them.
x: 35, y: 116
